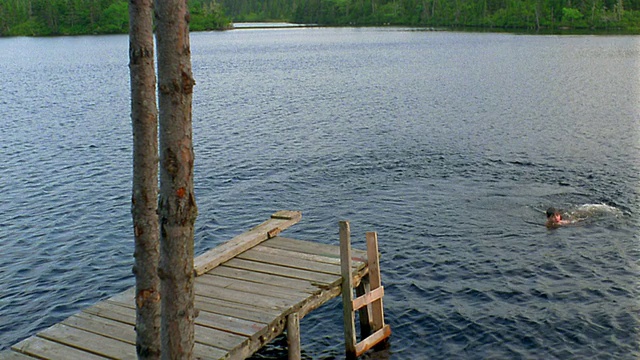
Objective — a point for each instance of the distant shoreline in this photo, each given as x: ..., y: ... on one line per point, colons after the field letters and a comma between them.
x: 268, y: 25
x: 476, y: 29
x: 287, y: 25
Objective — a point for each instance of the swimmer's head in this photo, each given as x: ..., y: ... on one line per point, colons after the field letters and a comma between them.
x: 554, y: 218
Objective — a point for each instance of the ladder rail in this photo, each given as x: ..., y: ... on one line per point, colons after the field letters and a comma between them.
x: 369, y: 301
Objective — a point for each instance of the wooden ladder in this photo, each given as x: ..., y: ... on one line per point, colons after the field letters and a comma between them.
x: 368, y: 302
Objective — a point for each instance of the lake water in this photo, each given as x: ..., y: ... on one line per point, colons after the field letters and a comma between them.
x: 449, y: 145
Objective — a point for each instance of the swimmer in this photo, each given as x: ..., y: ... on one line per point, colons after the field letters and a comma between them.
x: 554, y: 218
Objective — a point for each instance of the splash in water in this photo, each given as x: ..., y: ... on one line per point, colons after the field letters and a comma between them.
x: 588, y: 212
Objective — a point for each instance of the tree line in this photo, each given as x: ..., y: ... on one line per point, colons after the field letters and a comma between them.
x: 76, y: 17
x: 79, y: 17
x: 521, y: 14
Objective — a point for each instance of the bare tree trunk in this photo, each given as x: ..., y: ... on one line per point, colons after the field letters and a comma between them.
x: 177, y: 205
x: 537, y: 11
x: 144, y: 119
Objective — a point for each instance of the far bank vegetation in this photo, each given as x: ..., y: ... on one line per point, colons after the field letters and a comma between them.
x: 506, y: 14
x: 77, y: 17
x: 84, y: 17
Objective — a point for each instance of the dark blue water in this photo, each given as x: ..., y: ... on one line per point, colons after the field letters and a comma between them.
x: 450, y: 145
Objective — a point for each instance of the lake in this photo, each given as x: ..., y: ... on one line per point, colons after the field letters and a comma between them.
x: 449, y: 145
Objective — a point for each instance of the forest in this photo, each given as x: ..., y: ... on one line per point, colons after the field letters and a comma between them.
x: 505, y: 14
x: 80, y: 17
x: 77, y: 17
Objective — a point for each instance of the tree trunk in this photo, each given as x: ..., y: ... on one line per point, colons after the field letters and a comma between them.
x: 177, y: 206
x: 144, y: 119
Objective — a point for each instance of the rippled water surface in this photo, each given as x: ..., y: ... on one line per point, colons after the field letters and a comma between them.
x: 450, y: 145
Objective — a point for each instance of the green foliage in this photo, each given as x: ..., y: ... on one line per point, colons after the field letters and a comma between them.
x: 521, y: 14
x: 631, y: 21
x: 30, y: 27
x: 518, y: 15
x: 73, y: 17
x: 76, y: 17
x: 207, y: 15
x: 571, y: 14
x: 115, y: 19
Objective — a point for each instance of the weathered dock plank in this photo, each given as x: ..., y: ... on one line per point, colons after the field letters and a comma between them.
x: 278, y: 258
x: 261, y: 301
x: 265, y: 278
x: 313, y: 277
x: 233, y: 309
x: 106, y: 327
x: 89, y: 342
x: 111, y: 311
x: 126, y: 316
x: 12, y: 355
x: 204, y: 352
x: 278, y: 251
x: 46, y: 349
x: 268, y: 229
x: 251, y: 287
x: 231, y: 324
x: 314, y: 248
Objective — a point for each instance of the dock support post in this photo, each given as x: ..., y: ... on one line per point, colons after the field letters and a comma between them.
x: 293, y: 336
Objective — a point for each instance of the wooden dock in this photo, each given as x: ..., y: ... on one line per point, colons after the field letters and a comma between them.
x: 247, y: 292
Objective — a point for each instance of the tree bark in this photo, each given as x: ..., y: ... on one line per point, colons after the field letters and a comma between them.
x: 144, y: 119
x: 177, y: 206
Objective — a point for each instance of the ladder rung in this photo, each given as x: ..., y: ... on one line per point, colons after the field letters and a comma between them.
x: 372, y: 340
x: 367, y: 298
